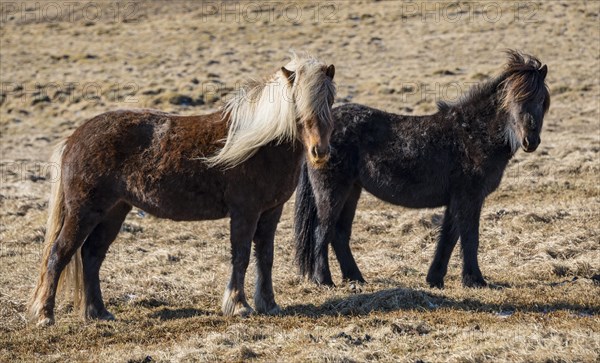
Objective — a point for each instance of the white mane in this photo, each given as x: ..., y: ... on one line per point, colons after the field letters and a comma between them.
x: 263, y: 112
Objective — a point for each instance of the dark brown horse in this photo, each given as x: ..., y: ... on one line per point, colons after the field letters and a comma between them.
x: 242, y: 162
x: 454, y: 158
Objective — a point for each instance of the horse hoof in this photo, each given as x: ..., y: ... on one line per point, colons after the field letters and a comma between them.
x: 45, y: 322
x: 473, y: 281
x: 106, y: 316
x: 436, y: 285
x: 243, y: 311
x: 322, y: 279
x: 263, y: 307
x: 276, y: 310
x: 323, y: 282
x: 435, y: 282
x: 355, y: 287
x: 359, y: 280
x: 354, y: 280
x: 93, y: 314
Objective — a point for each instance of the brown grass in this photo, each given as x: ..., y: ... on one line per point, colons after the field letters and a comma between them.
x: 163, y: 280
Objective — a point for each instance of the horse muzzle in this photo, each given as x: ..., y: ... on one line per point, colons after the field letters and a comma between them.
x: 531, y: 143
x: 319, y: 155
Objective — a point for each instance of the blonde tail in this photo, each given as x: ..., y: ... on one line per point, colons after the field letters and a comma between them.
x: 72, y: 275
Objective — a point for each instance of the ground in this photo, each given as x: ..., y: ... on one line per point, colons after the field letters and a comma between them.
x: 61, y: 63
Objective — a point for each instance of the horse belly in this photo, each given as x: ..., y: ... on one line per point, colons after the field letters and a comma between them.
x: 424, y: 192
x: 183, y: 199
x: 416, y: 196
x: 411, y: 196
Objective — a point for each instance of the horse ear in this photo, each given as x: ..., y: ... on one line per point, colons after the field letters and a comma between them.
x: 290, y: 75
x: 330, y: 72
x: 544, y: 71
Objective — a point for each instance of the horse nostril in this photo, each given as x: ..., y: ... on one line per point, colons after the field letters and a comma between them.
x: 314, y: 151
x: 526, y: 142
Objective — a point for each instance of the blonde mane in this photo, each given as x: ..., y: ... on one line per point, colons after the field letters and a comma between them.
x: 262, y: 112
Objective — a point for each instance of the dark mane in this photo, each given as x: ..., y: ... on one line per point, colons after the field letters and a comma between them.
x: 520, y: 79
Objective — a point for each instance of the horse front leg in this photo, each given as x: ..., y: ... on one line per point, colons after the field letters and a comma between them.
x: 243, y: 227
x: 446, y: 243
x: 341, y: 240
x: 330, y: 198
x: 264, y: 297
x: 468, y: 215
x: 321, y: 273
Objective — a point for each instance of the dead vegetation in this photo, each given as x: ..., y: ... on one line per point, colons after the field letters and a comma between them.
x: 163, y: 280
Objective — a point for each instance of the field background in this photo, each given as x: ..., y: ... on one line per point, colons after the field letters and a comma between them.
x: 164, y: 280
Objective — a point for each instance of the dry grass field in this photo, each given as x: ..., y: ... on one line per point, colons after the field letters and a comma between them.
x: 61, y: 63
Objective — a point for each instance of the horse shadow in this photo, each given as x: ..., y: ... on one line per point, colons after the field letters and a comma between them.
x: 176, y: 314
x: 396, y: 299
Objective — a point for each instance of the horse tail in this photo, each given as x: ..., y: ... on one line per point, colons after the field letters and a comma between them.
x: 305, y: 224
x: 56, y: 215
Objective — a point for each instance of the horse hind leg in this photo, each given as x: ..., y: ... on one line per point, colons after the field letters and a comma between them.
x: 341, y: 240
x: 76, y: 226
x: 93, y: 252
x: 264, y: 298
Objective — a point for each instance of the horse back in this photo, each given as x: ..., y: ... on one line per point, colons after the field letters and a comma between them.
x: 417, y: 161
x: 151, y: 159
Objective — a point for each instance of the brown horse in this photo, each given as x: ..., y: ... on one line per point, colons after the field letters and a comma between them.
x: 242, y: 161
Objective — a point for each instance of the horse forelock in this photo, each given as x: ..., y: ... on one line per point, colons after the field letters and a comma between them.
x: 522, y: 80
x: 267, y: 111
x: 314, y: 93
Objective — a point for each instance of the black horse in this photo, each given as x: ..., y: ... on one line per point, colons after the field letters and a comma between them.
x: 453, y: 158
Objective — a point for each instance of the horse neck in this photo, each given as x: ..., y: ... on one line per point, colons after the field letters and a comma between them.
x: 487, y: 116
